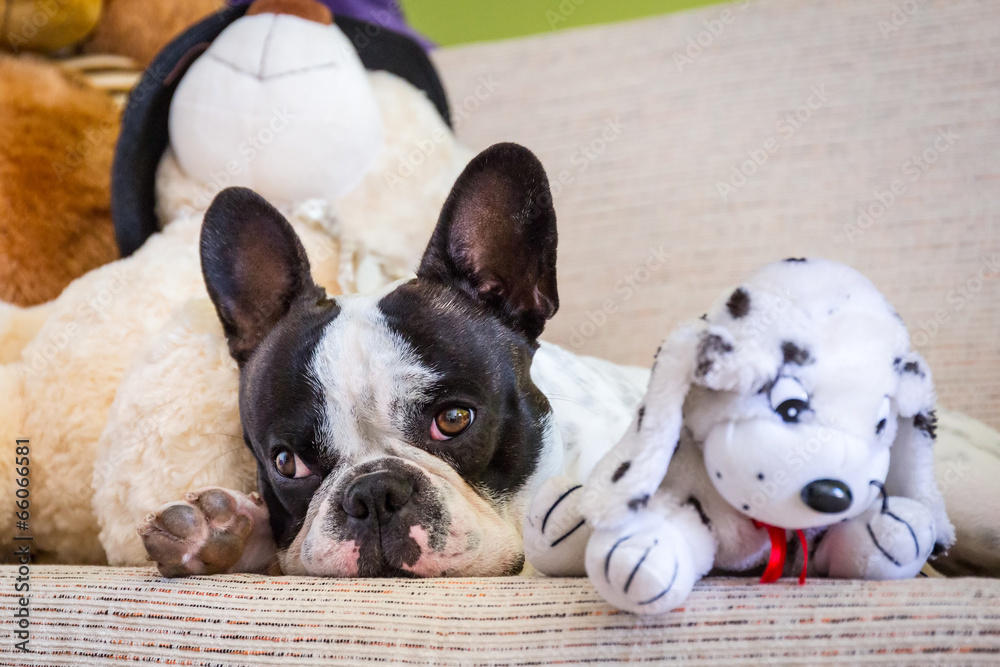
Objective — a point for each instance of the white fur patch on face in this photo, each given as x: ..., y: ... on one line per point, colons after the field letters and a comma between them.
x: 368, y: 376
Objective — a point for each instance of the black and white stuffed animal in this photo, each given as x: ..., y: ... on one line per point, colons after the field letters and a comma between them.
x: 796, y: 408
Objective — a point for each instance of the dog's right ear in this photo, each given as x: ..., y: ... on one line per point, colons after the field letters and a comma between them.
x: 496, y: 238
x: 255, y: 268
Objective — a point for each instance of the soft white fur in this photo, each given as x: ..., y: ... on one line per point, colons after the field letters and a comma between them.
x: 709, y: 432
x: 124, y: 386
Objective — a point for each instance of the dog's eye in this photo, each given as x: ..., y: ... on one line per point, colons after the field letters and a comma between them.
x: 289, y: 465
x: 789, y: 399
x: 451, y: 422
x: 883, y: 416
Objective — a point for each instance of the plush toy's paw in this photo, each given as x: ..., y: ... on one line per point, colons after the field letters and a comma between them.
x: 205, y: 534
x: 555, y: 533
x: 649, y: 571
x: 886, y: 542
x: 603, y: 510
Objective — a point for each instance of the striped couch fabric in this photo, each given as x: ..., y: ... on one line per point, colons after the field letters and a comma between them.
x: 105, y: 616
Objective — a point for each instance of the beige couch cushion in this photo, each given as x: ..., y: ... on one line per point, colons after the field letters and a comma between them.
x: 887, y: 80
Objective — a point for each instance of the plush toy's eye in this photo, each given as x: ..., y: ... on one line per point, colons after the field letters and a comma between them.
x: 290, y: 465
x: 451, y: 422
x: 883, y: 416
x: 789, y: 399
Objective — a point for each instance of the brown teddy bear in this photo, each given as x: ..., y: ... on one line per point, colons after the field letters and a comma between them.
x: 58, y: 129
x: 57, y: 136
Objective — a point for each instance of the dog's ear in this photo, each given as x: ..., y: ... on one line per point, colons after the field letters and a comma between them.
x: 254, y: 265
x: 911, y: 462
x: 496, y: 238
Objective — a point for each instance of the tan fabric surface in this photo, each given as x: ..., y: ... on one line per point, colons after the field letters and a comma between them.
x: 105, y: 616
x: 685, y: 127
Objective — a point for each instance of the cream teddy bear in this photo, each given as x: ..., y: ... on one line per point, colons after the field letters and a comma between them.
x: 122, y: 384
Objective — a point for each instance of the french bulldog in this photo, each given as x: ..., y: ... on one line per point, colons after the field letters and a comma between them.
x: 401, y: 433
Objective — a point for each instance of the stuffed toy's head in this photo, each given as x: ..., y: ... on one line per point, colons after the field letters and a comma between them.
x: 808, y: 399
x: 280, y: 103
x: 273, y: 96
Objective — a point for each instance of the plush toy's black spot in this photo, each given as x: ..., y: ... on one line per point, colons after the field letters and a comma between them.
x: 704, y: 316
x: 696, y: 504
x: 636, y: 503
x: 746, y: 508
x: 642, y: 413
x: 926, y: 423
x: 796, y: 259
x: 718, y: 474
x: 880, y: 427
x: 622, y: 469
x: 739, y: 303
x: 710, y: 345
x: 912, y: 367
x: 794, y: 354
x: 760, y: 476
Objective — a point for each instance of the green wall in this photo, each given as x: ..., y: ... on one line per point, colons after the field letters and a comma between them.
x: 460, y: 21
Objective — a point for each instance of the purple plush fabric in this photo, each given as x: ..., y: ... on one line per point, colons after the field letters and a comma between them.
x: 386, y: 13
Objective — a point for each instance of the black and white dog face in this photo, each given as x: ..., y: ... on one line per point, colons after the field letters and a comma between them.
x: 398, y: 433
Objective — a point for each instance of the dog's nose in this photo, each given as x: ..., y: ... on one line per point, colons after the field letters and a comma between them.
x: 827, y: 495
x: 377, y: 496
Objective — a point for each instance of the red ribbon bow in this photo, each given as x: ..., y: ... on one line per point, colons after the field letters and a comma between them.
x: 779, y: 550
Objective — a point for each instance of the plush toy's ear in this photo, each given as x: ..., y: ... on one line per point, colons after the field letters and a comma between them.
x: 255, y: 268
x: 628, y: 475
x: 911, y: 464
x: 496, y: 238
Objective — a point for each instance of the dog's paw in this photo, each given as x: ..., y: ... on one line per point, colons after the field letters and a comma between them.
x: 205, y: 534
x: 555, y: 533
x: 650, y: 571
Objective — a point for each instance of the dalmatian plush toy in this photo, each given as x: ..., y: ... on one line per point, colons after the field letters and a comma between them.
x: 795, y: 408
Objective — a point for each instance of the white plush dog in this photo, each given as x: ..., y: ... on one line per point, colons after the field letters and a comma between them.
x: 795, y: 404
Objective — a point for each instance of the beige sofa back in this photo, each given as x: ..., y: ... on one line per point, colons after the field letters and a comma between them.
x: 870, y: 131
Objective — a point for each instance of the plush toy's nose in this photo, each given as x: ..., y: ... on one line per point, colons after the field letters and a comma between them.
x: 306, y: 9
x: 827, y: 495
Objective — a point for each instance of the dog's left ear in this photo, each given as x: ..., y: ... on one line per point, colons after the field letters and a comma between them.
x: 496, y: 238
x: 911, y: 463
x: 255, y: 268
